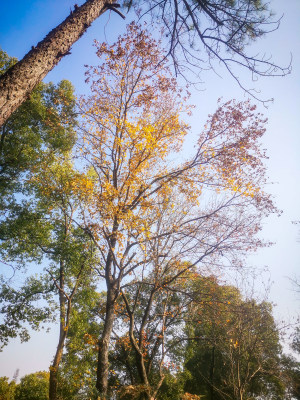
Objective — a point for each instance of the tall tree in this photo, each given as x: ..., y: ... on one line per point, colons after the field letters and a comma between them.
x: 130, y: 126
x: 41, y: 129
x: 238, y: 354
x: 46, y: 232
x: 223, y: 29
x: 80, y: 358
x: 130, y: 129
x: 36, y: 213
x: 69, y: 248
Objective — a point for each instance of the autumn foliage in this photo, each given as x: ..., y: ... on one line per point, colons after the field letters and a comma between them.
x: 145, y: 212
x: 139, y: 216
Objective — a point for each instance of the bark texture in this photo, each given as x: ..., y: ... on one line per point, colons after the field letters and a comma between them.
x: 54, y: 367
x: 103, y: 363
x: 65, y: 310
x: 20, y: 80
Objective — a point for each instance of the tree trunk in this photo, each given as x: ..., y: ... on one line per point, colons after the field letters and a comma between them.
x: 143, y: 376
x: 103, y: 364
x: 54, y: 367
x: 65, y: 308
x: 20, y: 80
x: 211, y: 373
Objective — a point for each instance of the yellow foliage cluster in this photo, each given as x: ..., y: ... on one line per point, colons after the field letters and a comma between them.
x: 188, y: 396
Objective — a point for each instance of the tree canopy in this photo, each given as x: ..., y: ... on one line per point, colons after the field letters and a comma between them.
x: 198, y: 33
x: 131, y: 236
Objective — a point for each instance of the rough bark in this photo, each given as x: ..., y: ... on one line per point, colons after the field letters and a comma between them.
x: 54, y: 367
x: 20, y: 80
x: 65, y: 309
x: 103, y: 364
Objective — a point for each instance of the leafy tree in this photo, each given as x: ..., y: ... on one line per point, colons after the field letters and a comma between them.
x: 231, y: 346
x: 39, y: 131
x: 80, y: 359
x: 133, y: 198
x: 229, y: 27
x: 199, y: 339
x: 67, y: 248
x: 42, y: 128
x: 291, y: 376
x: 138, y: 119
x: 33, y: 387
x: 238, y: 351
x: 7, y: 389
x: 18, y: 308
x: 39, y: 225
x: 152, y: 349
x: 151, y: 355
x: 291, y: 368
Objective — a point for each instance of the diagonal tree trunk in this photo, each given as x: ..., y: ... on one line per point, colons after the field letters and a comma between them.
x: 19, y: 80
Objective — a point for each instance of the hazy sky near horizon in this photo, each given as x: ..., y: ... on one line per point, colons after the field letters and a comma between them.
x: 23, y: 24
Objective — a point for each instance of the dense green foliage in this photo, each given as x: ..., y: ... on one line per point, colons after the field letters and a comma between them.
x: 33, y: 387
x: 41, y: 130
x: 42, y: 127
x: 7, y: 389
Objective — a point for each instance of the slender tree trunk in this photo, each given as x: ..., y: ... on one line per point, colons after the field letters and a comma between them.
x: 211, y: 373
x: 19, y: 80
x: 54, y: 367
x: 143, y: 376
x: 65, y: 308
x: 103, y: 364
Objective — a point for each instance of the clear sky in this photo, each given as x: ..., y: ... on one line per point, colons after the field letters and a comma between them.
x: 24, y: 23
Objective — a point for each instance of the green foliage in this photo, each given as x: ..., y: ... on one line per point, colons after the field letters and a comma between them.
x: 237, y: 352
x: 296, y: 340
x: 5, y: 61
x: 7, y: 389
x: 172, y: 387
x: 40, y: 130
x: 221, y: 332
x: 291, y: 376
x: 33, y: 387
x: 33, y: 138
x: 80, y: 360
x: 42, y: 127
x: 217, y: 345
x: 18, y: 306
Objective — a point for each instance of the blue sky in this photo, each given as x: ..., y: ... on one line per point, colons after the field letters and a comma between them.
x: 24, y: 23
